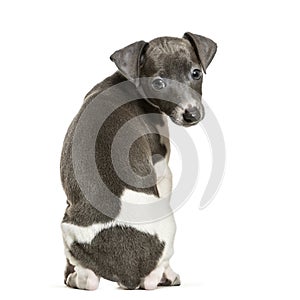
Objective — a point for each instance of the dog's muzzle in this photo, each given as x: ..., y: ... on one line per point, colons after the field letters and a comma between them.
x: 192, y: 115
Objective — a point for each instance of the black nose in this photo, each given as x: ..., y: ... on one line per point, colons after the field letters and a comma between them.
x: 191, y: 115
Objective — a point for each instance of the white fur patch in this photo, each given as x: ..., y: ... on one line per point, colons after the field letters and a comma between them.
x: 83, y: 278
x: 164, y: 229
x: 133, y: 197
x: 171, y: 275
x: 80, y: 234
x: 164, y: 178
x: 151, y: 281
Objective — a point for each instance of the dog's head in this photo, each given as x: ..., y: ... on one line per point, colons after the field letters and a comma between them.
x: 169, y: 72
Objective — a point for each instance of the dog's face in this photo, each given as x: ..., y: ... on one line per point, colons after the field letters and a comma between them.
x: 174, y: 74
x: 169, y: 73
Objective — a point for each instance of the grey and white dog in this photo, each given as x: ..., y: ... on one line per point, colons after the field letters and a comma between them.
x: 99, y: 238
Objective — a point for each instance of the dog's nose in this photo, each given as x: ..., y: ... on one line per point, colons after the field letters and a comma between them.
x: 191, y: 115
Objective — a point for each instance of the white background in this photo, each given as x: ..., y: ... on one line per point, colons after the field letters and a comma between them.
x: 245, y: 245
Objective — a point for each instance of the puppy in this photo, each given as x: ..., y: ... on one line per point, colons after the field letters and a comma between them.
x: 114, y: 165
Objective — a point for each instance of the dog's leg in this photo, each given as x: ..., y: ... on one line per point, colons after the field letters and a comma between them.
x: 164, y: 179
x: 82, y: 278
x: 151, y: 281
x: 69, y: 269
x: 169, y: 278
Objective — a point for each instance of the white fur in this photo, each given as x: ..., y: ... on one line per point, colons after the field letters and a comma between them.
x: 130, y: 196
x: 151, y: 281
x: 83, y: 278
x: 80, y: 234
x: 164, y: 178
x: 171, y: 275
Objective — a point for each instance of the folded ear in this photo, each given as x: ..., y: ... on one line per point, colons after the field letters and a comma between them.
x: 205, y: 48
x: 128, y: 60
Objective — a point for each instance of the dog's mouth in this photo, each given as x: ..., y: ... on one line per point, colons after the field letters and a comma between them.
x: 181, y: 122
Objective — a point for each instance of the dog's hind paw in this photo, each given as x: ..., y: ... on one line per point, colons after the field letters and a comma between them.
x: 83, y: 279
x: 167, y: 282
x: 169, y: 278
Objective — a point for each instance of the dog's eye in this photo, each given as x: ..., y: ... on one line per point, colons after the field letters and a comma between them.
x: 158, y: 84
x: 196, y: 74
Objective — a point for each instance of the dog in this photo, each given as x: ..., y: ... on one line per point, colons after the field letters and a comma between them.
x: 164, y: 79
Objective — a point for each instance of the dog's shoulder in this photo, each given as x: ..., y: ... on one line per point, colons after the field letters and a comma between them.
x: 108, y: 82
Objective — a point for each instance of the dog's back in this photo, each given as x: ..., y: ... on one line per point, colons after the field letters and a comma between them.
x: 111, y: 249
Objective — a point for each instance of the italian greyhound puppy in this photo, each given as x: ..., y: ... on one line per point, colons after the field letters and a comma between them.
x: 163, y: 78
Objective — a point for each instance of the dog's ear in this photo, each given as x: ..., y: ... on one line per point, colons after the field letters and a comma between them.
x: 129, y: 59
x: 205, y: 48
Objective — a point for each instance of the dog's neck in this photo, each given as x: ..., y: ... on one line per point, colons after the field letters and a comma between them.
x: 146, y: 104
x: 141, y: 106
